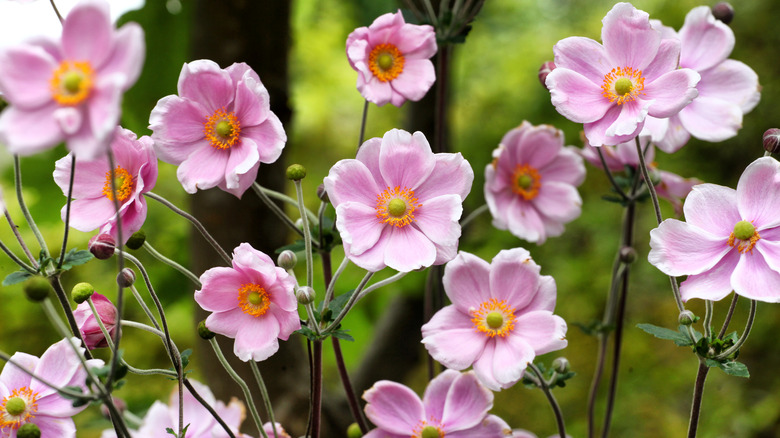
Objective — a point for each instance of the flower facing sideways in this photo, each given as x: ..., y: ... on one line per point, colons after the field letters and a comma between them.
x: 252, y: 302
x: 530, y: 187
x: 398, y: 204
x: 499, y: 320
x: 88, y: 325
x: 730, y: 240
x: 392, y: 59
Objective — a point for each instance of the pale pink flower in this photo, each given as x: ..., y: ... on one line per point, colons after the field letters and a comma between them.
x: 500, y: 319
x: 398, y: 204
x: 731, y: 240
x: 88, y: 325
x: 611, y: 88
x: 530, y: 187
x: 70, y: 90
x: 392, y: 59
x: 454, y: 404
x: 252, y: 302
x: 218, y: 129
x: 27, y: 400
x: 93, y: 202
x: 268, y: 428
x: 727, y: 90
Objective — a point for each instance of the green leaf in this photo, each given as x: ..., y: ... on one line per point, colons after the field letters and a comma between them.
x: 75, y: 258
x: 679, y: 338
x: 296, y: 246
x: 342, y: 334
x: 185, y: 357
x: 16, y: 277
x: 338, y: 303
x: 731, y: 367
x: 309, y: 333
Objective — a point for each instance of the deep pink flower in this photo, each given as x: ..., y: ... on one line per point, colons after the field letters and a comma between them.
x: 731, y: 240
x: 499, y: 320
x: 27, y: 400
x: 727, y: 90
x: 611, y: 88
x: 454, y: 404
x: 93, y: 203
x: 218, y: 129
x: 253, y: 302
x: 392, y: 59
x: 70, y: 90
x: 398, y: 204
x: 530, y: 187
x: 88, y: 325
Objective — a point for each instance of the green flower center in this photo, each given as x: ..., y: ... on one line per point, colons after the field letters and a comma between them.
x: 384, y: 61
x: 744, y: 230
x: 524, y: 181
x: 224, y: 129
x: 15, y: 406
x: 495, y: 320
x: 396, y: 207
x: 430, y: 432
x: 255, y: 298
x: 623, y: 86
x: 72, y: 82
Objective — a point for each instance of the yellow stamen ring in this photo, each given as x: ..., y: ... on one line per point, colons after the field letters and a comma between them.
x: 222, y: 129
x: 124, y: 183
x: 623, y: 85
x: 71, y: 82
x: 427, y: 430
x: 386, y: 62
x: 493, y: 318
x: 18, y: 408
x: 253, y: 299
x: 526, y: 181
x: 396, y: 207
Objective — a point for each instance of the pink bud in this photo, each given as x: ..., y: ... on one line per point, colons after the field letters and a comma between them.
x: 85, y: 319
x: 545, y: 70
x: 102, y: 246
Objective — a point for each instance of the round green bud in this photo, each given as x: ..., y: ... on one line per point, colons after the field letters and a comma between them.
x: 287, y: 260
x: 137, y: 240
x: 296, y: 172
x: 353, y: 431
x: 744, y: 230
x: 28, y: 430
x: 125, y: 278
x: 561, y: 365
x: 305, y: 295
x: 37, y: 288
x: 686, y: 318
x: 204, y: 332
x: 81, y: 292
x: 627, y: 255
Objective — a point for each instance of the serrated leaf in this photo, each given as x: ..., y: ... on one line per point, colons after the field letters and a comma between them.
x: 342, y: 334
x: 309, y: 333
x: 185, y: 357
x: 75, y: 258
x: 680, y: 339
x: 337, y: 304
x: 731, y: 368
x: 16, y: 277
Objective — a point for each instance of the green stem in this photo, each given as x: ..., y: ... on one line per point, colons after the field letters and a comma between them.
x: 363, y: 124
x: 347, y: 307
x: 17, y: 260
x: 393, y: 278
x: 748, y: 326
x: 264, y: 394
x: 481, y: 209
x: 65, y: 305
x: 698, y: 390
x: 551, y: 398
x: 26, y: 211
x: 306, y: 235
x: 708, y: 311
x: 209, y: 408
x: 275, y: 209
x: 19, y: 239
x: 68, y: 203
x: 187, y: 273
x: 729, y: 314
x: 273, y: 194
x: 332, y: 286
x: 56, y: 11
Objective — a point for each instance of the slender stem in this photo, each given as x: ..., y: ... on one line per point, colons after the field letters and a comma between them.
x: 481, y: 209
x: 306, y: 235
x: 209, y: 408
x: 708, y: 311
x: 698, y: 390
x: 316, y: 395
x: 332, y: 285
x: 748, y: 326
x: 17, y: 260
x: 350, y: 303
x: 56, y: 11
x: 610, y: 177
x: 273, y: 194
x: 63, y: 300
x: 15, y: 230
x: 26, y: 211
x: 363, y: 124
x: 553, y: 403
x: 264, y: 394
x: 196, y: 223
x: 275, y: 209
x: 431, y: 12
x: 354, y: 404
x: 391, y: 279
x: 616, y: 350
x: 120, y: 301
x: 187, y: 273
x: 729, y: 314
x: 68, y: 202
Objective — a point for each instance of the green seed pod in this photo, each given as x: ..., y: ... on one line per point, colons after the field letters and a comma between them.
x: 296, y: 172
x: 81, y: 292
x: 204, y: 332
x: 37, y: 288
x: 137, y: 240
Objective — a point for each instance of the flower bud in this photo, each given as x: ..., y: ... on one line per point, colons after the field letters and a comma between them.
x: 353, y: 431
x: 627, y: 255
x: 296, y: 172
x: 37, y: 288
x: 723, y: 11
x: 204, y: 332
x: 125, y: 278
x: 561, y: 365
x: 137, y: 240
x: 686, y: 318
x: 545, y: 70
x: 772, y: 140
x: 287, y: 260
x: 102, y: 246
x: 88, y: 325
x: 81, y: 292
x: 121, y: 406
x: 28, y: 430
x: 305, y: 295
x: 322, y: 194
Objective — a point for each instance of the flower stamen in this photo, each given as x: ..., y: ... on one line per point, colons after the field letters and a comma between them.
x: 493, y: 318
x: 623, y: 85
x: 18, y: 408
x: 427, y: 429
x: 396, y: 207
x: 253, y: 299
x: 222, y: 129
x: 71, y: 82
x: 526, y: 181
x: 386, y: 62
x: 746, y: 234
x: 123, y: 182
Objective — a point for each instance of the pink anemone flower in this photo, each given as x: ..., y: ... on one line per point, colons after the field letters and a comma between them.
x: 93, y: 201
x: 26, y: 400
x: 218, y: 129
x: 727, y: 90
x: 530, y: 187
x: 88, y: 325
x: 252, y: 302
x: 392, y: 59
x: 611, y: 88
x: 500, y: 319
x: 398, y: 204
x: 268, y: 428
x: 70, y: 90
x: 730, y: 240
x: 455, y: 405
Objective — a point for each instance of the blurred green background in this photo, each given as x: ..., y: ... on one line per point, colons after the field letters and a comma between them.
x: 494, y: 88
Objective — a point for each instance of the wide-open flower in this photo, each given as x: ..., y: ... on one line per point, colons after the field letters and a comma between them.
x: 253, y: 302
x: 499, y: 320
x: 611, y: 88
x: 455, y: 405
x: 727, y: 90
x: 88, y: 325
x: 26, y: 400
x: 392, y: 59
x: 530, y: 185
x: 93, y: 200
x: 398, y: 204
x: 70, y: 90
x: 218, y: 129
x: 730, y: 240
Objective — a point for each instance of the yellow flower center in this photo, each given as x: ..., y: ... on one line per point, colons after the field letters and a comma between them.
x: 386, y: 62
x: 744, y: 237
x: 18, y: 408
x: 396, y: 207
x: 222, y: 129
x: 526, y: 181
x: 253, y: 299
x: 623, y: 85
x: 493, y: 318
x: 426, y: 430
x: 71, y: 82
x: 123, y: 182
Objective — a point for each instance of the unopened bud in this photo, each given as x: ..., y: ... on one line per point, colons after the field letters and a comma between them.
x: 204, y: 332
x: 627, y: 255
x: 353, y: 431
x: 305, y: 295
x: 120, y: 405
x: 296, y: 172
x: 322, y: 193
x: 287, y: 260
x: 102, y: 246
x: 81, y: 292
x: 28, y: 430
x: 686, y: 318
x: 137, y: 240
x: 37, y: 288
x: 723, y: 11
x: 772, y: 140
x: 561, y: 365
x: 125, y: 278
x: 545, y: 70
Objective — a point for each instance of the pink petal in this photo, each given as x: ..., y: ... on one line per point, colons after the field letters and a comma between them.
x: 665, y: 61
x: 70, y: 120
x: 242, y: 160
x: 203, y: 169
x: 675, y: 137
x: 451, y: 338
x: 58, y: 365
x: 405, y: 159
x: 758, y: 193
x: 289, y: 321
x: 87, y: 33
x: 438, y: 219
x: 466, y: 281
x: 374, y: 90
x: 26, y: 132
x: 104, y: 110
x: 176, y: 124
x: 753, y: 278
x: 258, y: 340
x: 467, y: 403
x: 524, y: 221
x: 358, y: 225
x: 252, y: 101
x: 219, y: 289
x: 545, y: 296
x: 490, y: 427
x: 228, y: 323
x: 584, y: 56
x: 678, y: 248
x: 393, y: 407
x: 538, y: 147
x: 408, y: 249
x: 711, y: 119
x: 416, y: 41
x: 712, y: 208
x: 25, y: 75
x: 55, y: 426
x: 566, y: 168
x: 436, y: 393
x: 705, y: 40
x: 732, y: 81
x: 559, y: 202
x: 483, y: 367
x: 204, y: 82
x: 127, y: 56
x: 628, y: 38
x: 373, y: 259
x: 89, y: 214
x: 672, y: 92
x: 514, y: 277
x: 351, y: 181
x: 90, y: 180
x: 620, y: 124
x: 416, y: 79
x: 12, y: 377
x: 576, y: 97
x: 512, y: 356
x: 451, y: 174
x: 541, y: 330
x: 368, y: 154
x: 245, y: 181
x: 269, y: 137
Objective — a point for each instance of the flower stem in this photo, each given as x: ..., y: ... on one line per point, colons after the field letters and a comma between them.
x: 748, y: 326
x: 708, y: 311
x: 698, y: 390
x: 209, y: 408
x: 551, y: 398
x: 363, y: 124
x: 275, y: 208
x: 481, y: 209
x: 63, y: 300
x: 350, y: 303
x: 273, y: 194
x: 26, y: 211
x: 15, y: 230
x: 264, y: 394
x: 306, y: 235
x: 17, y: 260
x: 68, y: 203
x: 316, y: 405
x: 354, y: 404
x: 729, y: 314
x: 610, y: 177
x: 56, y: 11
x: 186, y: 272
